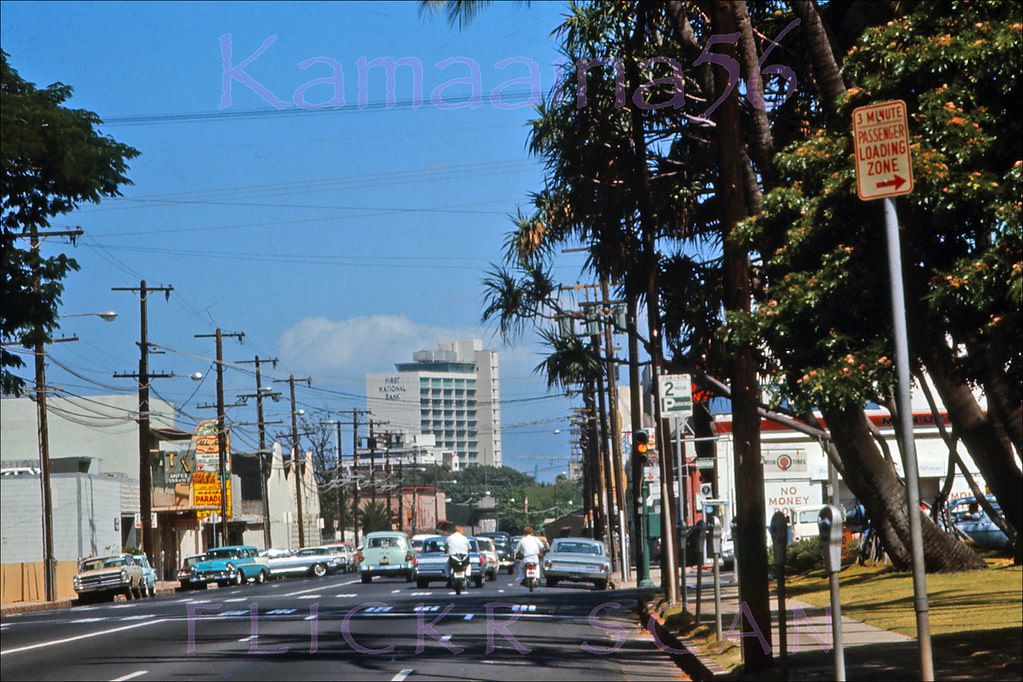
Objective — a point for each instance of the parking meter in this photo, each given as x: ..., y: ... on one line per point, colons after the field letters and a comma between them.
x: 713, y: 536
x: 780, y: 537
x: 700, y: 531
x: 830, y: 523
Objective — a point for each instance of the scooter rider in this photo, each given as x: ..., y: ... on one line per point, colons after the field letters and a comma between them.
x: 456, y: 542
x: 529, y: 549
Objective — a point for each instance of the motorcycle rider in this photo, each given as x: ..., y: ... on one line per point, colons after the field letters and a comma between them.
x: 456, y: 542
x: 529, y: 549
x: 456, y: 545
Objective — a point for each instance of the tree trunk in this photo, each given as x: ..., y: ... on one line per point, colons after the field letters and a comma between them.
x: 990, y: 449
x: 878, y: 487
x: 825, y: 66
x: 750, y: 518
x: 1003, y: 401
x: 761, y: 139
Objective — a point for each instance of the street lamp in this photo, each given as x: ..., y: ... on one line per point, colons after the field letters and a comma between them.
x: 49, y: 561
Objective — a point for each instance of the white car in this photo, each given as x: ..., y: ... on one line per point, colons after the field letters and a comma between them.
x: 317, y: 561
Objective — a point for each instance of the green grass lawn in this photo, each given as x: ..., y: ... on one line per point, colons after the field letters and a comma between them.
x: 978, y: 614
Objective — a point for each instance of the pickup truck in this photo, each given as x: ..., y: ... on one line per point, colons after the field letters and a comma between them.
x: 102, y: 578
x: 431, y: 564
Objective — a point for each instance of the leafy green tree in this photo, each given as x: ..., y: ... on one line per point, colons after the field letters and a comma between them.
x: 53, y: 160
x: 374, y: 517
x: 822, y: 313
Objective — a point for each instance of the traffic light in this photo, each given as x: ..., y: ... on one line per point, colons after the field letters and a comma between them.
x: 641, y: 446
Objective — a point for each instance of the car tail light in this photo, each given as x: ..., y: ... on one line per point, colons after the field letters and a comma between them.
x: 409, y: 556
x: 547, y: 565
x: 358, y: 557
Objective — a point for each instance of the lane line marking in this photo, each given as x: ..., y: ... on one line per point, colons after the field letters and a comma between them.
x: 402, y: 675
x: 295, y: 594
x: 130, y: 676
x: 55, y: 642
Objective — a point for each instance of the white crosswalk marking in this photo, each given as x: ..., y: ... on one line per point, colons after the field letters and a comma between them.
x: 311, y: 596
x: 281, y: 612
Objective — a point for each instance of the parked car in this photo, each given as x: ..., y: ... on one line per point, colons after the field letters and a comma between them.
x: 148, y: 575
x: 491, y: 562
x: 504, y: 548
x: 187, y: 578
x: 577, y: 560
x: 317, y: 561
x: 102, y: 578
x: 231, y: 565
x: 344, y: 554
x: 970, y: 518
x: 385, y: 553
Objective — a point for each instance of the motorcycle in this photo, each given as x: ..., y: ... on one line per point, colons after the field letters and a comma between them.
x: 532, y: 573
x: 458, y: 570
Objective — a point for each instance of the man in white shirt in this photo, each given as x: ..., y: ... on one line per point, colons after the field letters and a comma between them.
x: 529, y: 549
x: 456, y: 542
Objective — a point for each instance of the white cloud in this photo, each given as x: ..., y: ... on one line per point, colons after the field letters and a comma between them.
x: 352, y: 348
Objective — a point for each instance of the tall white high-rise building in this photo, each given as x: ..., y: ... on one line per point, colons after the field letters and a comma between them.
x: 453, y: 392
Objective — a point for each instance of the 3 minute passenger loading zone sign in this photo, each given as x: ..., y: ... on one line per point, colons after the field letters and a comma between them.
x: 881, y: 140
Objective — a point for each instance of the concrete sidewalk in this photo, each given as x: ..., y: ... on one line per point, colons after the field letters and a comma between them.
x: 870, y: 652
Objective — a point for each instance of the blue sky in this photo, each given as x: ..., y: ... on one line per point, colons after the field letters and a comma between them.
x: 339, y: 240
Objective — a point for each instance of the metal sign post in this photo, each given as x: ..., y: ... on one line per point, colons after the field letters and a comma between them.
x: 881, y: 137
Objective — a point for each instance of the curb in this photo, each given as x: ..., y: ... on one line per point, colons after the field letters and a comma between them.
x: 699, y: 668
x: 162, y: 587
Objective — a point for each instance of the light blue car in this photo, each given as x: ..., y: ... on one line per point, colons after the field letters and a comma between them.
x: 148, y: 575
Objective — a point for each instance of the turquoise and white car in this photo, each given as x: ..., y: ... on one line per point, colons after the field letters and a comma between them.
x: 232, y: 565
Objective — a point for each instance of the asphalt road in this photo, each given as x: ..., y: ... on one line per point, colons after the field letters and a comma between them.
x: 337, y: 628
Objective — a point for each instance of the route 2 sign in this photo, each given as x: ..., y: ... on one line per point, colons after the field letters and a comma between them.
x: 881, y: 141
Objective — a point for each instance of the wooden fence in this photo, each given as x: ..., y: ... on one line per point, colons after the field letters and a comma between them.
x: 24, y: 582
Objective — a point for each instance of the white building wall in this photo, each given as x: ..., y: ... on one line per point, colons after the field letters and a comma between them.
x: 104, y: 427
x: 84, y: 511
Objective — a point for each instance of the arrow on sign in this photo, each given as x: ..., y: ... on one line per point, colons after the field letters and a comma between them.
x: 896, y: 182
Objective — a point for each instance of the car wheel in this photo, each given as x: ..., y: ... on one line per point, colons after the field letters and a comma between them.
x: 151, y: 591
x: 552, y: 582
x: 600, y: 584
x: 239, y: 577
x: 366, y: 578
x: 319, y: 570
x: 479, y: 580
x: 422, y: 584
x: 261, y: 577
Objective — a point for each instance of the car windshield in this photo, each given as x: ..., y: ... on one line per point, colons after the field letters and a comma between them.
x: 576, y: 548
x: 108, y: 562
x: 383, y: 543
x: 193, y: 560
x: 222, y: 554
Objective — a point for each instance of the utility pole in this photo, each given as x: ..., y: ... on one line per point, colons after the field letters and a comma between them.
x: 42, y: 428
x: 356, y: 522
x: 297, y: 468
x: 339, y: 482
x: 145, y: 468
x: 264, y: 470
x: 223, y: 469
x: 616, y: 431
